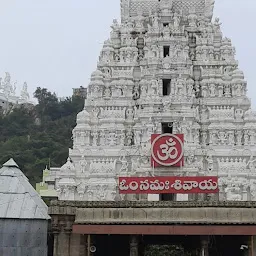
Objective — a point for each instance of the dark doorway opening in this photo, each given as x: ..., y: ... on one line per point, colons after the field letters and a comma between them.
x: 229, y: 245
x: 167, y: 197
x: 114, y: 245
x: 166, y: 51
x: 167, y: 127
x: 166, y: 87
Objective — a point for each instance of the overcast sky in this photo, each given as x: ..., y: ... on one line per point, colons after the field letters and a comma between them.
x: 56, y: 43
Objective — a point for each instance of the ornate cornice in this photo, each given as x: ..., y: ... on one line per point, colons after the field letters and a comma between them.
x: 67, y: 207
x: 151, y: 216
x: 65, y: 213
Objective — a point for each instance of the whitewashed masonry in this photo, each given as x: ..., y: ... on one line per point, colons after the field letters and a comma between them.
x: 8, y: 97
x: 165, y: 67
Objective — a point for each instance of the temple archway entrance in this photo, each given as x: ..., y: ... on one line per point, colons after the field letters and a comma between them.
x: 157, y: 245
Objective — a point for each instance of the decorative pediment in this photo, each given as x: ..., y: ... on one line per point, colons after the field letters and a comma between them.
x: 231, y: 165
x: 218, y: 113
x: 103, y: 166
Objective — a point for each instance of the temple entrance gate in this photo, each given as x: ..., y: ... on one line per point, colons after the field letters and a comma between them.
x: 137, y: 228
x: 154, y: 245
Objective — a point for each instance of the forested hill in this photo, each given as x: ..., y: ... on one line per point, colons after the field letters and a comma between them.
x: 41, y: 135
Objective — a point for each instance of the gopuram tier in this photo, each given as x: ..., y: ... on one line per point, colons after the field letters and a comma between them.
x: 166, y: 68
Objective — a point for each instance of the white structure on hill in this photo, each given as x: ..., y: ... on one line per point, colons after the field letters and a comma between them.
x: 166, y: 63
x: 8, y: 97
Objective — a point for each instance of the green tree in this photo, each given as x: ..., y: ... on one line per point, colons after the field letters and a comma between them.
x: 48, y: 104
x: 34, y: 144
x: 167, y: 250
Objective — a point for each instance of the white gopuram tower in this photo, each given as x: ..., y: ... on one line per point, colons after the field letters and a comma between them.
x: 165, y: 68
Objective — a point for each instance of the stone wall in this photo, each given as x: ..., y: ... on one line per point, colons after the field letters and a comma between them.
x: 65, y: 214
x: 23, y: 237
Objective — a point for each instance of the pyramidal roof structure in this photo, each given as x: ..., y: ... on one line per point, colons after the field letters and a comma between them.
x: 18, y: 199
x: 167, y: 64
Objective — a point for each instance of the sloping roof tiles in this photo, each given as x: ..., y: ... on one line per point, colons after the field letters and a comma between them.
x: 18, y: 199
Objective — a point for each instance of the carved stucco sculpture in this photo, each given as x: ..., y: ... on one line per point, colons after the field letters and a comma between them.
x: 207, y: 102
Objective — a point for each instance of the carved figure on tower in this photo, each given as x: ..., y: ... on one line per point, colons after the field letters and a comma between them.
x: 166, y: 68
